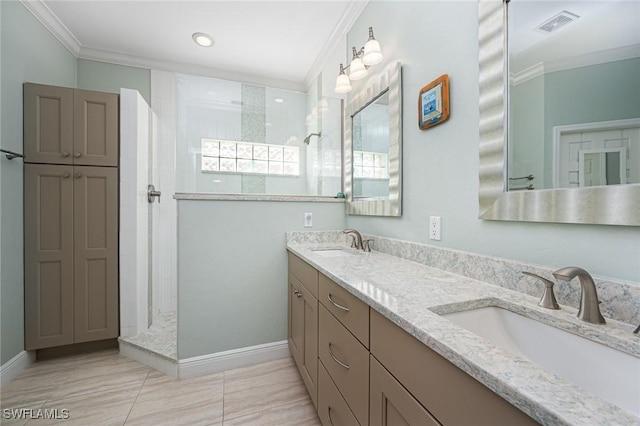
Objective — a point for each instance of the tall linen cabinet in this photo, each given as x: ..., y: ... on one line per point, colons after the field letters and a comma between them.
x: 70, y: 215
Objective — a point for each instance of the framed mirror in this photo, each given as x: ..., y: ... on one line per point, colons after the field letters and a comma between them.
x: 609, y: 202
x: 373, y: 146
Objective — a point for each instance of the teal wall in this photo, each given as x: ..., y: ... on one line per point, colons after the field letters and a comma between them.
x: 233, y: 270
x: 29, y: 54
x: 440, y: 176
x: 526, y: 132
x: 105, y: 77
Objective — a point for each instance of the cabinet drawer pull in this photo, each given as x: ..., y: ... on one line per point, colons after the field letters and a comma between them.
x: 342, y: 364
x: 329, y: 413
x: 77, y: 155
x: 297, y: 293
x: 65, y: 154
x: 78, y: 175
x: 66, y: 175
x: 337, y: 305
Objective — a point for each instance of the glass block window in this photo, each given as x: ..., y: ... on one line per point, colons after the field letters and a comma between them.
x: 220, y: 156
x: 370, y: 165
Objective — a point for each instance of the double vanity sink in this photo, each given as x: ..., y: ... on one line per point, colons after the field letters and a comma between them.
x: 549, y: 364
x: 594, y: 367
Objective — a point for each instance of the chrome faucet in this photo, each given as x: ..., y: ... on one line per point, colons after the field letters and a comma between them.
x: 357, y: 238
x: 589, y: 304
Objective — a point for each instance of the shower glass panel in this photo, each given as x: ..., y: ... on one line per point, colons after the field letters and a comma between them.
x: 235, y: 138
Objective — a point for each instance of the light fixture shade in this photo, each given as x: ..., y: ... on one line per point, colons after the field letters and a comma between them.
x: 343, y: 85
x: 357, y: 69
x: 372, y: 53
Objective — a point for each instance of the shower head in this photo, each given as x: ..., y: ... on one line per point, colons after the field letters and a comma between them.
x: 308, y: 138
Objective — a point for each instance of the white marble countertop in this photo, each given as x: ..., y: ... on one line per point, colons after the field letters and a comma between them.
x: 413, y: 295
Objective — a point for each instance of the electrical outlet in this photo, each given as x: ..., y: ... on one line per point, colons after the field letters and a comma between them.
x: 308, y: 220
x: 434, y: 228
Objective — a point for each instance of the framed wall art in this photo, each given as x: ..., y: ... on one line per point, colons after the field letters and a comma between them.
x: 433, y: 103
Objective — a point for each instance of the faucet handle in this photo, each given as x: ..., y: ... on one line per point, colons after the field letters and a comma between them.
x: 548, y: 299
x: 366, y: 244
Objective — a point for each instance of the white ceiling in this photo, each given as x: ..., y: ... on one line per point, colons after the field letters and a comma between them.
x: 256, y: 41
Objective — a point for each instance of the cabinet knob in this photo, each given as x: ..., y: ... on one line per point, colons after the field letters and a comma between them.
x: 77, y: 155
x: 65, y: 154
x: 66, y: 175
x: 78, y: 175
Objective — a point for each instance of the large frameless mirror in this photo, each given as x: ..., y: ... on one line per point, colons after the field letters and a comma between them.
x: 373, y: 146
x: 568, y: 148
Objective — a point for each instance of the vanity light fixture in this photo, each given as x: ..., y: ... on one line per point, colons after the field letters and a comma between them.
x: 368, y: 55
x: 202, y: 39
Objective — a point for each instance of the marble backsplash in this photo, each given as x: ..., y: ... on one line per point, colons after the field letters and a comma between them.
x: 619, y: 300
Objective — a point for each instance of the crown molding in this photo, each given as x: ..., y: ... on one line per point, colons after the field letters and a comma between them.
x: 338, y: 35
x: 589, y: 59
x: 51, y: 22
x: 180, y: 67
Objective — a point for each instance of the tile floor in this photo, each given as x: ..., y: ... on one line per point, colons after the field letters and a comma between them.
x: 106, y: 388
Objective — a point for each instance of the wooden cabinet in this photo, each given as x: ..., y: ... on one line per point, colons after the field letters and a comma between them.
x: 70, y: 126
x: 392, y: 404
x: 371, y: 372
x: 70, y: 216
x: 451, y: 395
x: 303, y: 323
x: 71, y: 254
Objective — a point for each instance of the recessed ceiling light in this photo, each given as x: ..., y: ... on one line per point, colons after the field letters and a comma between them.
x: 278, y: 100
x: 202, y: 39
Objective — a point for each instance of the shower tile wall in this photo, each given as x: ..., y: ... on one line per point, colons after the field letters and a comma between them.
x: 253, y: 124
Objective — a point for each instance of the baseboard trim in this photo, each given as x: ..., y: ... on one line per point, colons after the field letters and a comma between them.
x: 235, y: 358
x: 16, y: 365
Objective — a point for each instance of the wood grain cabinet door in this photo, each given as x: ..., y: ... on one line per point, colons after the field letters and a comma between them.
x: 95, y: 211
x: 393, y: 405
x: 48, y: 124
x: 48, y: 261
x: 95, y: 128
x: 303, y: 334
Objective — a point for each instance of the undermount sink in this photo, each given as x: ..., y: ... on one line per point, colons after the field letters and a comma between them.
x: 606, y: 372
x: 332, y: 252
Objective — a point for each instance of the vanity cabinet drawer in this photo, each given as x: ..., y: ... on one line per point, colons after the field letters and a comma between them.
x: 346, y: 361
x: 451, y: 395
x: 304, y: 272
x: 332, y: 408
x: 347, y: 308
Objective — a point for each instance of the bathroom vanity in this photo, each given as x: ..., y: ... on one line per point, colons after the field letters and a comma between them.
x: 368, y: 335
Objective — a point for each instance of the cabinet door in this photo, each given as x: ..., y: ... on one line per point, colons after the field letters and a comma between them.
x: 48, y: 124
x: 391, y: 404
x: 95, y: 207
x: 303, y: 334
x: 95, y: 128
x: 48, y: 261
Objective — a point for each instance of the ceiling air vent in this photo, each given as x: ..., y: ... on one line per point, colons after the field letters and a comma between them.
x: 557, y: 21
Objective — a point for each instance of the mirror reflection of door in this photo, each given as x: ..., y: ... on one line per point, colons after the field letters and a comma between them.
x: 570, y: 145
x: 602, y: 167
x: 371, y: 150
